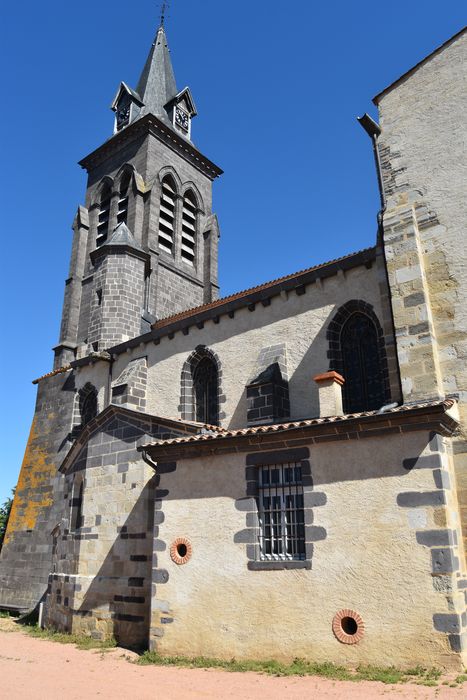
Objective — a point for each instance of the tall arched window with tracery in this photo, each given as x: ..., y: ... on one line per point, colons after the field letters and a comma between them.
x: 189, y: 228
x: 206, y: 392
x: 364, y: 386
x: 104, y: 214
x: 357, y: 351
x: 123, y: 195
x: 167, y: 215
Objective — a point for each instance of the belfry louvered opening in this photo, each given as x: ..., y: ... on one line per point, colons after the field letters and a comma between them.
x: 189, y: 228
x: 167, y: 215
x: 104, y: 215
x: 122, y: 212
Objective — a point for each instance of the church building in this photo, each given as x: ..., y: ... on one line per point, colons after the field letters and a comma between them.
x: 278, y: 473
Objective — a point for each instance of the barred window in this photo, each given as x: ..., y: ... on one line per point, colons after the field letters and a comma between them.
x: 281, y: 514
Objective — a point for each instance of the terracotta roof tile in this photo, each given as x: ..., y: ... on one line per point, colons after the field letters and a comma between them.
x: 217, y: 434
x: 60, y: 370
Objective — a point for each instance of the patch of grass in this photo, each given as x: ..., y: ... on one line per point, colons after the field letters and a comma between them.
x: 4, y: 613
x: 462, y: 678
x: 299, y: 667
x: 80, y: 641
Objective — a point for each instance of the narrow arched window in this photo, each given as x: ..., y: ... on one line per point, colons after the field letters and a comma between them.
x: 189, y: 228
x: 167, y: 215
x: 122, y: 212
x: 87, y: 404
x: 364, y: 388
x: 206, y: 392
x: 104, y: 215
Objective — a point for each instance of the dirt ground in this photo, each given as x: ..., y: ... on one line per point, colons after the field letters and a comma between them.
x: 43, y: 670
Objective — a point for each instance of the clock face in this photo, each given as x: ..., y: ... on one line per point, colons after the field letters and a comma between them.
x: 181, y: 118
x: 123, y: 115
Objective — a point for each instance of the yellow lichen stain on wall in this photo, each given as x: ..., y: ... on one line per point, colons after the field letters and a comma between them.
x: 36, y: 471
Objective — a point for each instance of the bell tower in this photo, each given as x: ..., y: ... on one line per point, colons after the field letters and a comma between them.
x: 145, y: 243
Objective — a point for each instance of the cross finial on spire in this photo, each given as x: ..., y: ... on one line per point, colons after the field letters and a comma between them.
x: 163, y: 10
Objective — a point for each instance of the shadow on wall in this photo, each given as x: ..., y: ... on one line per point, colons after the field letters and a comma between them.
x: 120, y: 593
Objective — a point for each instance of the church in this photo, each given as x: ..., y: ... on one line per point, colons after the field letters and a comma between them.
x: 278, y: 473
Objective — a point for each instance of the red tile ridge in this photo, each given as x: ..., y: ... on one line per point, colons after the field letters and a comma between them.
x: 60, y: 370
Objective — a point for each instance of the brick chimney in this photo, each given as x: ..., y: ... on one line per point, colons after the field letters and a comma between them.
x: 329, y: 393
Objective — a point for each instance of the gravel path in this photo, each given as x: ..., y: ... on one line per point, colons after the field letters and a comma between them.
x: 42, y: 670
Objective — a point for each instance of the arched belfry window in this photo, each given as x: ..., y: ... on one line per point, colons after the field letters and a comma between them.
x: 205, y: 392
x: 123, y: 193
x: 189, y: 228
x: 201, y: 395
x: 357, y: 351
x: 104, y: 214
x: 87, y: 400
x: 167, y: 215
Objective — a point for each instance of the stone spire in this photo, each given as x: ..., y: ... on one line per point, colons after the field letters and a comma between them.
x: 157, y: 86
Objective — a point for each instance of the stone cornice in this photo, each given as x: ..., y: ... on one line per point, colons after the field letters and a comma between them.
x: 150, y: 124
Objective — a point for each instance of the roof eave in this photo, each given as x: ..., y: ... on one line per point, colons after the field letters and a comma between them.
x: 436, y: 417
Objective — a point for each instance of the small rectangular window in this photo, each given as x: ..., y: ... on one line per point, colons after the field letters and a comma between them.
x: 281, y: 513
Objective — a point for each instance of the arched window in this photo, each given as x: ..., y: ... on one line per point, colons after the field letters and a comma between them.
x: 87, y: 399
x: 104, y: 215
x: 122, y: 213
x: 76, y: 520
x: 364, y: 388
x: 189, y: 228
x: 167, y: 215
x: 201, y: 392
x: 357, y: 351
x: 206, y: 392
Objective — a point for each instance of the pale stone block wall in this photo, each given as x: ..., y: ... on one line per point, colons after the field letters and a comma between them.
x: 383, y: 539
x: 300, y: 321
x: 423, y: 149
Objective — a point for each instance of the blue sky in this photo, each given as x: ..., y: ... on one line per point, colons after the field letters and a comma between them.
x: 278, y: 87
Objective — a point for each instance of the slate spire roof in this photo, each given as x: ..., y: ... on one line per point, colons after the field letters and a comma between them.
x: 157, y: 86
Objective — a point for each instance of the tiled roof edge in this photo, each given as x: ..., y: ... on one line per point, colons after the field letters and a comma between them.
x: 253, y: 295
x: 390, y: 418
x: 54, y: 372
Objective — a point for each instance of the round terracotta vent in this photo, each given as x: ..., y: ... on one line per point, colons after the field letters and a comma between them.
x: 181, y: 550
x: 348, y: 626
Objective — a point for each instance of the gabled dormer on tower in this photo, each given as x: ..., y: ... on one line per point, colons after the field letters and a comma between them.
x: 156, y: 93
x: 150, y: 177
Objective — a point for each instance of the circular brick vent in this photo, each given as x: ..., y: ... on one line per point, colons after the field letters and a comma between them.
x: 348, y: 626
x: 181, y: 550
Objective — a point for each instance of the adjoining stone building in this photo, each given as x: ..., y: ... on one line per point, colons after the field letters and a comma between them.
x: 281, y: 472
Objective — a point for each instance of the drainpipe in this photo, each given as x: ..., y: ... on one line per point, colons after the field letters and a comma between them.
x: 147, y: 459
x: 374, y: 130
